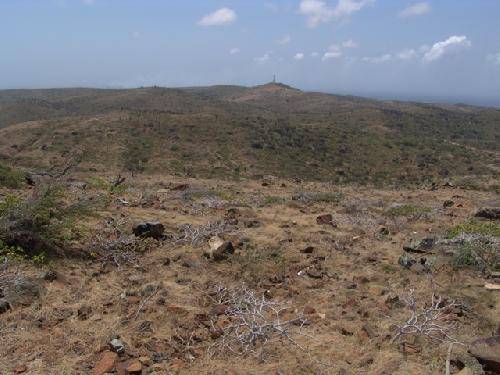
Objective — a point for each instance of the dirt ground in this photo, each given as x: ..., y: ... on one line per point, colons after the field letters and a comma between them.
x: 344, y: 278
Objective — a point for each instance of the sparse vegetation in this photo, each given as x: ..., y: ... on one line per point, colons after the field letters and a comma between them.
x: 409, y: 211
x: 261, y: 193
x: 473, y: 226
x: 10, y: 178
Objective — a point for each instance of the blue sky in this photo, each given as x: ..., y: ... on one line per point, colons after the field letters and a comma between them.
x: 409, y: 49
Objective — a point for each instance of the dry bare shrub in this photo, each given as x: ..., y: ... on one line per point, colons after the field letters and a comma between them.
x: 111, y: 246
x: 196, y: 235
x: 436, y: 321
x: 254, y: 322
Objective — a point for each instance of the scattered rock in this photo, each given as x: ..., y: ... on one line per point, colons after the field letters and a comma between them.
x: 219, y: 310
x: 314, y: 273
x: 153, y: 229
x: 222, y: 252
x: 84, y: 312
x: 326, y: 219
x: 465, y: 371
x: 448, y: 203
x: 145, y: 326
x: 4, y: 306
x: 423, y: 246
x: 492, y: 213
x: 309, y: 310
x: 134, y: 368
x: 180, y: 187
x: 252, y: 223
x: 21, y: 368
x: 383, y: 231
x: 117, y: 346
x: 487, y: 352
x: 307, y: 250
x: 146, y: 361
x: 50, y: 275
x: 406, y: 261
x: 21, y: 292
x: 106, y: 363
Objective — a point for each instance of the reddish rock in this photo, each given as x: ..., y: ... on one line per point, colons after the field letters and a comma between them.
x: 219, y: 310
x: 326, y: 219
x: 20, y: 368
x: 106, y: 363
x: 146, y: 361
x: 308, y: 310
x: 134, y: 368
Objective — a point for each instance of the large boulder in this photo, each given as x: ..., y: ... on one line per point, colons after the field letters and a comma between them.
x: 20, y: 291
x: 149, y: 229
x: 487, y: 352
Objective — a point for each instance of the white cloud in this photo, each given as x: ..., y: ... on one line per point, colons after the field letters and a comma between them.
x: 317, y: 11
x: 286, y: 39
x: 494, y: 58
x: 299, y: 56
x: 452, y: 44
x: 407, y: 54
x: 263, y: 59
x: 223, y: 16
x: 331, y: 55
x: 417, y: 9
x: 378, y: 59
x: 234, y: 51
x: 349, y: 44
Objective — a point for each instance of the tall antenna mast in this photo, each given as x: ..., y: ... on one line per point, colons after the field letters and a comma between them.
x: 274, y: 78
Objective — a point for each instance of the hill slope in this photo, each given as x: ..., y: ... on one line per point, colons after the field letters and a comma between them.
x: 232, y: 131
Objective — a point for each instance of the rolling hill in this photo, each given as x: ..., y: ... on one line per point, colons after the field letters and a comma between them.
x: 234, y: 132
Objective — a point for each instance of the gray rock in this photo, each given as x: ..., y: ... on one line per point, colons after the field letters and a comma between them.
x: 21, y: 291
x: 487, y: 352
x: 117, y: 346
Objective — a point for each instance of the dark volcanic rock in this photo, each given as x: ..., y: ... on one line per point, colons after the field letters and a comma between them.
x: 423, y: 246
x: 492, y: 213
x: 222, y: 252
x: 153, y: 229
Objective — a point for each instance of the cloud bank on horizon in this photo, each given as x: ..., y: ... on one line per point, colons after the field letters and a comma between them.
x: 413, y: 47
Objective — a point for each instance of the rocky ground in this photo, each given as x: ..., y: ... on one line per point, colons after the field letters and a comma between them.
x: 260, y: 277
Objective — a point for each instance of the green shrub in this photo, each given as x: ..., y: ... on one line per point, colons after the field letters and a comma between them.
x: 479, y: 254
x: 10, y: 178
x: 137, y: 154
x: 473, y: 226
x: 45, y: 223
x: 408, y: 210
x: 8, y: 203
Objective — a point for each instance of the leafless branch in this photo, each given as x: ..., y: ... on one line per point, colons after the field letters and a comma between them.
x: 254, y: 322
x: 436, y: 322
